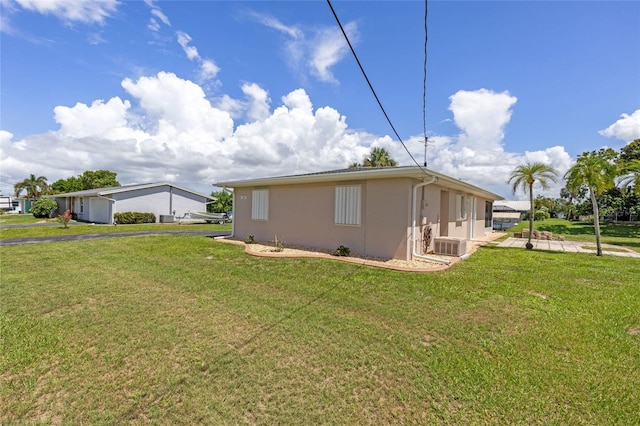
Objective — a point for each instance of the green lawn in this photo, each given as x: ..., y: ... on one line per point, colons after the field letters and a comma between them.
x: 188, y: 330
x: 86, y: 228
x: 622, y: 234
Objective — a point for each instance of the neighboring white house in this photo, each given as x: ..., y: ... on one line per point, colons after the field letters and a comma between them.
x: 509, y: 213
x: 162, y: 199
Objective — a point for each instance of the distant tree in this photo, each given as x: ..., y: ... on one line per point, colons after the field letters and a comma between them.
x: 630, y: 151
x: 524, y: 176
x: 70, y: 184
x: 224, y: 202
x: 35, y: 186
x: 597, y: 172
x: 98, y: 179
x: 378, y: 157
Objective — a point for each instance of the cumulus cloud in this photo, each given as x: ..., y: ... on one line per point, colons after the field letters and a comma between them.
x: 166, y: 129
x: 478, y: 154
x: 315, y: 51
x: 627, y: 128
x: 84, y: 11
x: 481, y: 115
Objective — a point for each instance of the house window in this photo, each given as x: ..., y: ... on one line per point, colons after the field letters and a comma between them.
x: 348, y: 205
x: 260, y: 204
x: 461, y: 207
x: 488, y: 214
x: 82, y: 205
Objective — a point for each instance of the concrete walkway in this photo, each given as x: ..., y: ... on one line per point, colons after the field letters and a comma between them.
x: 568, y: 246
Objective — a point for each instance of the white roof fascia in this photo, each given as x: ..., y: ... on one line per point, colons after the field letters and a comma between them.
x: 374, y: 173
x: 120, y: 189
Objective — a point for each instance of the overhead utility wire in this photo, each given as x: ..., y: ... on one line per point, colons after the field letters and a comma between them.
x: 424, y: 85
x: 335, y: 15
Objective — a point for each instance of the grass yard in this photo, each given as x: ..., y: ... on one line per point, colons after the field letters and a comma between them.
x: 86, y: 228
x: 186, y: 330
x: 620, y: 233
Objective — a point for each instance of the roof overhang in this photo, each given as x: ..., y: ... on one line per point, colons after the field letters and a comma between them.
x: 417, y: 173
x: 101, y: 192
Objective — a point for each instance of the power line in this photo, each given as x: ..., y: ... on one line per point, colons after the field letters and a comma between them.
x: 335, y: 15
x: 424, y: 84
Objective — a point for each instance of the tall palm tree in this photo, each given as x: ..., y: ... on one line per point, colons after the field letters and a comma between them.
x: 524, y: 176
x: 35, y: 186
x: 597, y: 172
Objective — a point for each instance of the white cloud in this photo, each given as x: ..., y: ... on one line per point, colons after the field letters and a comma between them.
x: 155, y: 11
x: 258, y: 101
x: 208, y: 68
x: 272, y: 22
x: 328, y: 49
x: 627, y: 128
x: 98, y: 119
x: 85, y: 11
x: 315, y: 52
x: 153, y: 25
x: 478, y: 154
x: 482, y: 116
x: 183, y: 40
x: 167, y: 129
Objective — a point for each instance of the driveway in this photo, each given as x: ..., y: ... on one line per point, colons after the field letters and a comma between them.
x: 569, y: 246
x: 79, y: 237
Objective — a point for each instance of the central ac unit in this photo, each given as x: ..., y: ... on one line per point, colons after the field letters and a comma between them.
x: 450, y: 246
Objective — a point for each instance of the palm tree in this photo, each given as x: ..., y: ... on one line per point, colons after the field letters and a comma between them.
x: 35, y: 186
x: 631, y: 169
x: 597, y: 172
x: 524, y: 176
x: 379, y: 157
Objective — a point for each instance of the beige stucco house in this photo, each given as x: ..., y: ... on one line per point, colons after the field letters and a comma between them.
x: 387, y: 212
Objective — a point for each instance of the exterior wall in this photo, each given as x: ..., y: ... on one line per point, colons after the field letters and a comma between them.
x: 161, y: 200
x: 304, y: 215
x: 99, y: 210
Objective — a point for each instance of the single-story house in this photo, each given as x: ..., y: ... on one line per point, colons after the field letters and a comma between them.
x: 509, y: 213
x: 387, y: 212
x: 162, y: 199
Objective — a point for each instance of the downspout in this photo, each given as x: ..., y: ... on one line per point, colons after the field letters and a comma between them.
x: 113, y: 210
x: 414, y: 239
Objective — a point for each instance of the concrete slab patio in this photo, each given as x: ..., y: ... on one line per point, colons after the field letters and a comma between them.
x: 569, y: 246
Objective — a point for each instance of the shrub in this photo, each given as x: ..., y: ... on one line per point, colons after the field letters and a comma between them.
x: 250, y: 239
x: 129, y: 218
x: 43, y: 208
x: 65, y: 218
x: 343, y: 251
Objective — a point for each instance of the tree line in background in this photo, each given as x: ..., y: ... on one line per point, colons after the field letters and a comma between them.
x: 35, y: 187
x: 602, y: 183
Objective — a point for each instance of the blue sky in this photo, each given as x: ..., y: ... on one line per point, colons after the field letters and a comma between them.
x: 196, y: 92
